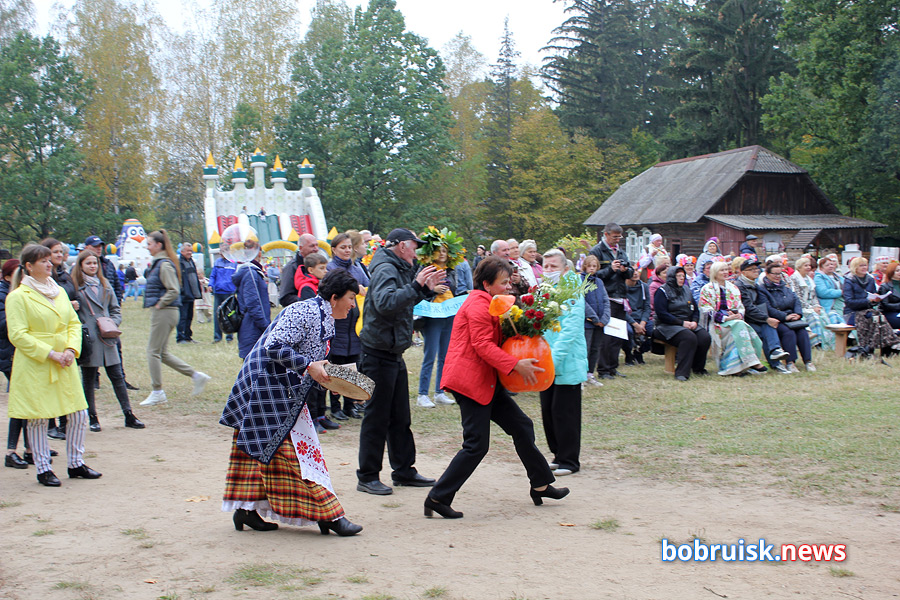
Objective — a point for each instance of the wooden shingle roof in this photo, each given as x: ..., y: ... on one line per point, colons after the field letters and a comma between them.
x: 683, y: 191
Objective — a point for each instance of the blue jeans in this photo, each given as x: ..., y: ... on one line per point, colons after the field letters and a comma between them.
x: 436, y: 333
x: 768, y: 335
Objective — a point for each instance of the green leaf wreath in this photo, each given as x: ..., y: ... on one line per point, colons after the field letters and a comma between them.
x: 434, y: 239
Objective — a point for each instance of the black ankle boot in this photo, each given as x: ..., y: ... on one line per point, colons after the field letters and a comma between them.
x: 251, y: 519
x: 442, y: 509
x: 342, y: 527
x: 551, y: 492
x: 132, y: 421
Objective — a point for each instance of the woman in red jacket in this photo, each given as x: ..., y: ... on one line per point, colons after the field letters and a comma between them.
x: 470, y: 373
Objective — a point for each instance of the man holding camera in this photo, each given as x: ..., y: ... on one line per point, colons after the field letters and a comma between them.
x: 615, y: 270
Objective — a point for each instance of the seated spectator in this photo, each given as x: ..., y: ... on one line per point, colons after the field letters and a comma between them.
x: 863, y: 308
x: 803, y: 286
x: 657, y: 280
x: 677, y: 318
x: 784, y: 306
x: 688, y: 262
x: 830, y: 289
x: 735, y: 346
x: 756, y: 315
x: 596, y: 316
x: 640, y: 326
x: 653, y: 252
x: 710, y: 252
x: 700, y: 280
x: 890, y: 306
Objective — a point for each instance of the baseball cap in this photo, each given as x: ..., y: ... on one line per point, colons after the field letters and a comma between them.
x: 749, y: 264
x: 403, y: 235
x: 93, y: 240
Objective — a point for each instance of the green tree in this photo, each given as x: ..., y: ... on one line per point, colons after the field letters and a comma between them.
x: 15, y: 16
x: 837, y: 114
x: 373, y: 109
x: 112, y: 44
x: 558, y: 180
x: 178, y: 200
x: 607, y: 67
x: 725, y: 69
x: 42, y: 183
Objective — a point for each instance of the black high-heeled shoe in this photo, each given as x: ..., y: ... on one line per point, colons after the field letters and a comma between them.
x: 342, y: 527
x: 551, y: 492
x: 251, y: 519
x: 442, y: 509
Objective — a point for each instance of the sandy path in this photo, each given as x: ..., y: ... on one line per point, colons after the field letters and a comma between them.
x: 504, y: 547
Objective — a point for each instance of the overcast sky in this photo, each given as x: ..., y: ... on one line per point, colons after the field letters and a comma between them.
x: 531, y: 21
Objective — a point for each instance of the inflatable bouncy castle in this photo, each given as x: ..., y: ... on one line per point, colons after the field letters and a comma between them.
x: 278, y: 215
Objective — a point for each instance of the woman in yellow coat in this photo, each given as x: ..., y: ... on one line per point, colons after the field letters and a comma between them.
x: 45, y: 384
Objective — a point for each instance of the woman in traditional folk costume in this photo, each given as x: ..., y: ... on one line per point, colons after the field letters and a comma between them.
x: 276, y: 468
x: 735, y: 346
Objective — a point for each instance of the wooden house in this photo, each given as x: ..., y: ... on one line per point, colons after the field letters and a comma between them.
x: 729, y: 195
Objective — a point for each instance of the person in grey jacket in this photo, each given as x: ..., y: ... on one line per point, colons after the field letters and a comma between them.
x: 96, y: 298
x: 394, y: 289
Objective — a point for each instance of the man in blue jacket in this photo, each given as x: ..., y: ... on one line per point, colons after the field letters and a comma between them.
x: 222, y: 287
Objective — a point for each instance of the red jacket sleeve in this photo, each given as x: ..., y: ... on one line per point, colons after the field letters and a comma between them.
x: 484, y: 335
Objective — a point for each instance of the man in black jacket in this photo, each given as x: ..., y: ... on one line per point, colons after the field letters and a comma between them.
x: 394, y: 289
x: 756, y: 314
x: 287, y: 291
x: 190, y: 291
x: 615, y: 270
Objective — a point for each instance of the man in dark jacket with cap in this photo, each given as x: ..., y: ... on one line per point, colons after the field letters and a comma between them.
x: 95, y: 245
x: 394, y: 289
x: 749, y: 246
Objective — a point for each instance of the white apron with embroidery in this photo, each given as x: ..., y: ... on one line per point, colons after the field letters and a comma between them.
x: 309, y: 453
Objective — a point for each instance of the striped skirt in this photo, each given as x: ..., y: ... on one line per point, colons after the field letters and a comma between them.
x: 277, y: 491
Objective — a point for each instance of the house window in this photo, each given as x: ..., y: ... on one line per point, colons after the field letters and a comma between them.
x: 632, y: 245
x: 676, y: 248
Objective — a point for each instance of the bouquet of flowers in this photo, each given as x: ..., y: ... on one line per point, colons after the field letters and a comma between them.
x: 541, y: 308
x: 373, y: 245
x: 434, y: 239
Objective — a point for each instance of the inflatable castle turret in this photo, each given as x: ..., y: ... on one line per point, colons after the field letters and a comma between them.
x: 278, y: 215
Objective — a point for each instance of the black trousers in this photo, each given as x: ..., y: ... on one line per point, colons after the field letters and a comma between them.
x: 116, y: 377
x: 315, y: 402
x: 335, y: 399
x: 16, y: 426
x: 593, y: 336
x: 476, y: 423
x: 561, y: 413
x: 183, y: 332
x: 610, y: 345
x: 693, y: 346
x: 387, y: 419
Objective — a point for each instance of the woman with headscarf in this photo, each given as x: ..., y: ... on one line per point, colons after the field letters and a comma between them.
x: 529, y: 268
x: 46, y: 332
x: 711, y: 250
x: 276, y: 466
x: 677, y: 317
x: 862, y: 308
x: 735, y: 346
x: 97, y: 299
x: 653, y: 252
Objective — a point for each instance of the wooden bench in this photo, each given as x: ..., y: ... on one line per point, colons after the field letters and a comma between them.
x: 841, y: 332
x: 670, y: 355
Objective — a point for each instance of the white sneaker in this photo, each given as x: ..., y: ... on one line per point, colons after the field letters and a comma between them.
x: 777, y: 354
x: 562, y: 472
x: 811, y: 368
x: 155, y: 397
x: 793, y: 368
x: 199, y: 380
x: 424, y: 401
x: 591, y: 380
x: 442, y: 398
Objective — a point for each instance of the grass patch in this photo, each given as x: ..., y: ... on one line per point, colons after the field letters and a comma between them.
x: 391, y: 504
x: 157, y: 458
x: 606, y: 524
x: 205, y: 589
x: 9, y: 503
x: 377, y: 597
x: 357, y: 579
x: 72, y: 585
x: 138, y: 534
x: 286, y: 577
x: 839, y: 572
x: 43, y: 532
x: 435, y: 592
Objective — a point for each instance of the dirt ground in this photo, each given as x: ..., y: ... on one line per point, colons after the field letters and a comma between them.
x: 152, y: 528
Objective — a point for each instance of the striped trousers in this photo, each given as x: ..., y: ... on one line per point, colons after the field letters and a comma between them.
x: 40, y: 443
